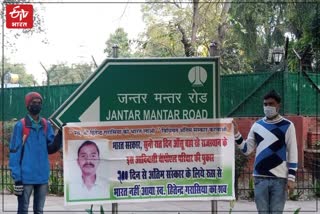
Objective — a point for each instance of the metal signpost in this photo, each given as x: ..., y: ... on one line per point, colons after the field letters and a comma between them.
x: 145, y: 89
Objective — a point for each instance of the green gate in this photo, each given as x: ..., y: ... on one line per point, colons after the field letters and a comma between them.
x: 242, y: 94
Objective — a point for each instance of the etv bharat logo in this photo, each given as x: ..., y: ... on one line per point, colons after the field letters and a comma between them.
x: 19, y: 16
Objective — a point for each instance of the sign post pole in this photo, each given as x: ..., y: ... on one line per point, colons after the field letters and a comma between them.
x: 214, y: 207
x: 214, y: 52
x: 114, y: 209
x: 115, y: 48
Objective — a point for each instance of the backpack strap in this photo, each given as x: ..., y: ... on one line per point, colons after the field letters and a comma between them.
x: 25, y: 134
x: 44, y: 123
x: 25, y: 131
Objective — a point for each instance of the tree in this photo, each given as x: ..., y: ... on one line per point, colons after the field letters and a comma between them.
x: 169, y: 32
x: 120, y: 38
x: 194, y: 23
x: 260, y: 27
x: 25, y: 79
x: 66, y: 74
x: 257, y: 27
x: 243, y: 32
x: 185, y: 28
x: 305, y: 33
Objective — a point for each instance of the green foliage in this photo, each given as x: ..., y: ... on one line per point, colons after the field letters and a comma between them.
x: 7, y: 181
x: 160, y: 41
x: 297, y: 211
x: 251, y: 191
x: 8, y: 129
x: 162, y: 37
x: 90, y: 211
x: 10, y: 187
x: 240, y: 160
x: 240, y: 164
x: 56, y: 185
x: 317, y: 188
x: 66, y: 74
x: 258, y: 27
x: 101, y: 210
x: 56, y: 181
x: 295, y: 195
x: 244, y: 33
x: 234, y: 59
x: 317, y: 145
x: 231, y: 204
x: 25, y: 79
x: 120, y: 38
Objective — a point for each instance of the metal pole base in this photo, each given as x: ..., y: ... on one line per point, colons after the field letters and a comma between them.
x: 214, y: 207
x: 114, y: 208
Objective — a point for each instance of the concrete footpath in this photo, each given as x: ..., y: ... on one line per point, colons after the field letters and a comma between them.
x: 56, y: 205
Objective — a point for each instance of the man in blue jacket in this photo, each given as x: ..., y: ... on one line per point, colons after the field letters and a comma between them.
x: 32, y: 139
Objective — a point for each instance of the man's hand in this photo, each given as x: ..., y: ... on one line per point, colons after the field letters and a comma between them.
x: 18, y: 188
x: 291, y: 186
x: 60, y: 128
x: 63, y: 124
x: 235, y: 126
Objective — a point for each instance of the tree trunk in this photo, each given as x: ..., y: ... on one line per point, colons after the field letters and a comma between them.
x: 189, y: 44
x: 222, y: 28
x: 195, y: 21
x: 188, y: 50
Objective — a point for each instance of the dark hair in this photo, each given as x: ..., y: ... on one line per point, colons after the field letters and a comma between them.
x: 274, y: 95
x: 87, y: 143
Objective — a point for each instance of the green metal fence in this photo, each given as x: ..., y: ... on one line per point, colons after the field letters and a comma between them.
x: 241, y: 95
x: 54, y: 96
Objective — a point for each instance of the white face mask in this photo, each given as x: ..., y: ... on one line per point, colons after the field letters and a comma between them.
x: 270, y: 111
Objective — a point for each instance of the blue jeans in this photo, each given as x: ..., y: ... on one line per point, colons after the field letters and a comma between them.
x: 39, y: 197
x: 270, y: 194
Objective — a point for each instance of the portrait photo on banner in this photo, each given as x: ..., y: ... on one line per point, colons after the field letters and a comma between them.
x: 86, y: 170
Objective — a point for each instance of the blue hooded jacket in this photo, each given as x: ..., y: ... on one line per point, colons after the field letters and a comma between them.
x: 31, y: 164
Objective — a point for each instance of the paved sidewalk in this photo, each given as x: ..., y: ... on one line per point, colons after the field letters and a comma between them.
x: 56, y: 205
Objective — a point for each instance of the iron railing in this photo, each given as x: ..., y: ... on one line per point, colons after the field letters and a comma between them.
x: 55, y: 180
x: 308, y: 184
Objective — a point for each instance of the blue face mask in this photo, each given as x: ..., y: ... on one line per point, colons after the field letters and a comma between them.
x: 34, y: 109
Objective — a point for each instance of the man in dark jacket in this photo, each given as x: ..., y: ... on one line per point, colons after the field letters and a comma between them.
x: 28, y: 161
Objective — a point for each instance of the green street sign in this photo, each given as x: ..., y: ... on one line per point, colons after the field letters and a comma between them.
x: 145, y: 89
